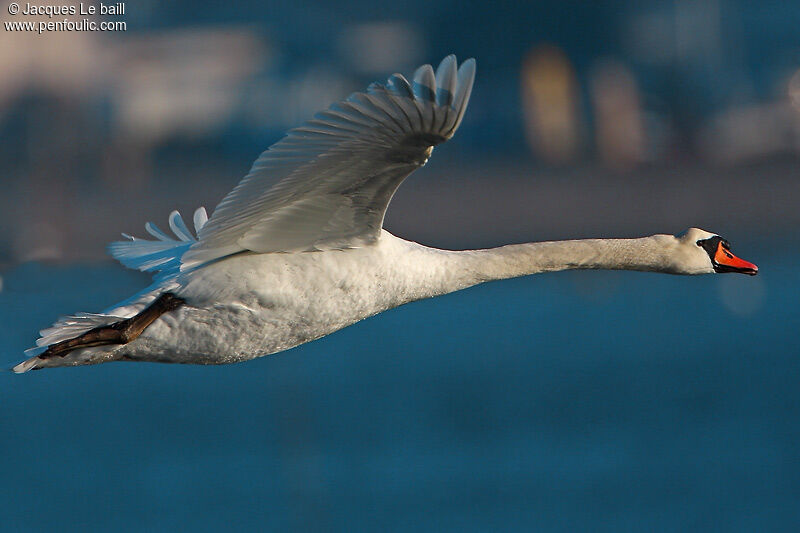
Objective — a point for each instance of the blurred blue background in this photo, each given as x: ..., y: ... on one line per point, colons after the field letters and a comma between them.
x: 600, y: 401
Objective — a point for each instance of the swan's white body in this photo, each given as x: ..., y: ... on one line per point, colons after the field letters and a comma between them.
x: 256, y: 304
x: 297, y: 251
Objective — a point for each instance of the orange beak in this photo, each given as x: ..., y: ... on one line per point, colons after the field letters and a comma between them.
x: 731, y: 263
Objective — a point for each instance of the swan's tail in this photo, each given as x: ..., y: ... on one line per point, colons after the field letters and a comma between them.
x: 98, y: 344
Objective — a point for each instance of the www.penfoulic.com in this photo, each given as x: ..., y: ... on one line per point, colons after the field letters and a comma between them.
x: 43, y: 26
x: 50, y: 11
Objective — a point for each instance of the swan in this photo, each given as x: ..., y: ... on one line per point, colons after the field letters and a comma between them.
x: 297, y: 250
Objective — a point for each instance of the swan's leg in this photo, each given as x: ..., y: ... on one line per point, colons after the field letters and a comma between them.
x: 121, y: 332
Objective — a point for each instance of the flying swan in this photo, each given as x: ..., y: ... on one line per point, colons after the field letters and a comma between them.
x: 297, y: 250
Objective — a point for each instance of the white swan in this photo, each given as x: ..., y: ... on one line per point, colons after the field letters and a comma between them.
x: 296, y: 251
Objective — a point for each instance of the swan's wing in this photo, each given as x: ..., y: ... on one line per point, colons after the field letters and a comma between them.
x: 327, y: 183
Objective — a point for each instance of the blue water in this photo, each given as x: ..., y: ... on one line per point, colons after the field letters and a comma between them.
x: 574, y: 401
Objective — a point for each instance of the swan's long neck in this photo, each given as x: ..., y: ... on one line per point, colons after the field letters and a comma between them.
x: 648, y: 254
x: 461, y: 269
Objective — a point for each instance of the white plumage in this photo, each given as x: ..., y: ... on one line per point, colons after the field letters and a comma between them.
x: 296, y: 250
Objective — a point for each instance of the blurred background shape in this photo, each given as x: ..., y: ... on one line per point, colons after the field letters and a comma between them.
x: 619, y: 136
x: 375, y: 48
x: 550, y: 99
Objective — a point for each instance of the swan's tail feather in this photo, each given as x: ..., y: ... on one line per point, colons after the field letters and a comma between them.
x: 31, y: 363
x: 85, y: 356
x: 162, y: 255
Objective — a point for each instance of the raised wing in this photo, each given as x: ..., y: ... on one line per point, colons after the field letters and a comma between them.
x: 327, y: 184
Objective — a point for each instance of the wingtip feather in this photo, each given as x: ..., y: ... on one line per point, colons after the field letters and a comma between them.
x: 466, y: 78
x: 446, y: 80
x: 425, y: 84
x: 399, y: 86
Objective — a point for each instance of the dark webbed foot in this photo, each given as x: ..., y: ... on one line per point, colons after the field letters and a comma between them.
x: 121, y: 332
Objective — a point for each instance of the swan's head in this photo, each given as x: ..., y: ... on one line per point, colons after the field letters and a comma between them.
x: 707, y: 253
